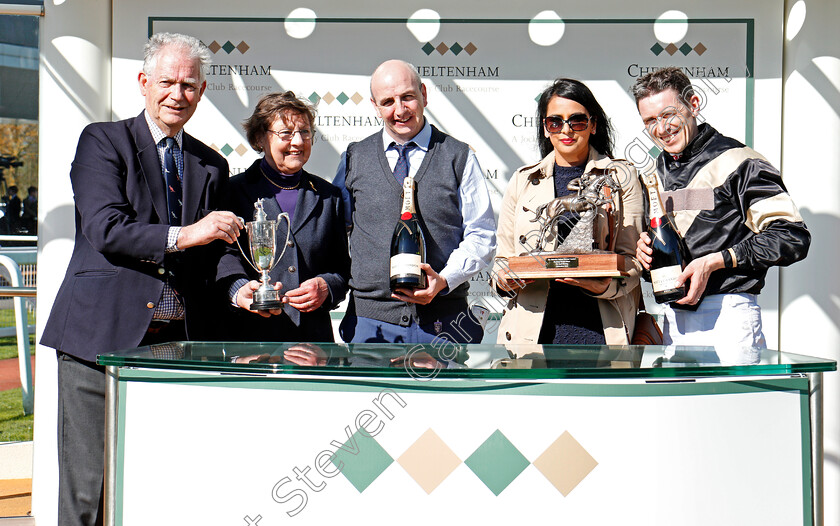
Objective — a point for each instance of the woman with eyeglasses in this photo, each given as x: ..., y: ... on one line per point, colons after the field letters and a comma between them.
x: 315, y: 266
x: 575, y: 137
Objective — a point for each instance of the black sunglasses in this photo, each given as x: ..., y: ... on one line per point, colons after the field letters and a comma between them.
x: 577, y: 122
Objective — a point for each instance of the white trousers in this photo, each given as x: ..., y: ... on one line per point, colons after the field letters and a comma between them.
x: 731, y: 323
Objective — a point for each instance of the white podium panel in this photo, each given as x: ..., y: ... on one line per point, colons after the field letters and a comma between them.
x: 228, y: 449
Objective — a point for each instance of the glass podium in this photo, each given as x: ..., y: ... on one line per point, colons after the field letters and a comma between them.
x: 258, y: 433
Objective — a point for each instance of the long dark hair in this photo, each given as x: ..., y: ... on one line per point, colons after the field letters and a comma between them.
x: 577, y: 91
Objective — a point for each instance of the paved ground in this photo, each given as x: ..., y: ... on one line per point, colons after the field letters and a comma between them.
x: 15, y: 493
x: 10, y: 373
x: 15, y: 497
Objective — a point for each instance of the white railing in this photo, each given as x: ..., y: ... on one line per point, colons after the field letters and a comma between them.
x: 21, y: 9
x: 12, y: 258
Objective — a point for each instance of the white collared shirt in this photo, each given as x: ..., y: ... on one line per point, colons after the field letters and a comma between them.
x: 478, y: 245
x: 169, y: 307
x: 158, y: 135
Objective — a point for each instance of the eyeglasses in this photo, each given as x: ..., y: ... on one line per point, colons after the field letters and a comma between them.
x: 577, y: 122
x: 672, y: 116
x: 288, y: 135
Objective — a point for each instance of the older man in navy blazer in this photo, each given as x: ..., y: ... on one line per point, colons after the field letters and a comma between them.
x: 146, y: 249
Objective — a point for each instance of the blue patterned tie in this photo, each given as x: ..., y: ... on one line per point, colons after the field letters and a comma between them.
x: 401, y: 168
x: 173, y: 182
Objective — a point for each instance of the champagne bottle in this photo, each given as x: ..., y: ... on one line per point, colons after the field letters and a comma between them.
x: 408, y: 246
x: 670, y: 253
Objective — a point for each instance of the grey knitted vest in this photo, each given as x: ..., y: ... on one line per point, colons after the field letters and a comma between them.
x: 378, y: 197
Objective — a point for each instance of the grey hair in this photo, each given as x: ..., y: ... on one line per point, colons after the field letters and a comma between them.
x: 159, y: 41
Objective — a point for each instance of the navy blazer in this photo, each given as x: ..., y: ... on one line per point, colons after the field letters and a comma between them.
x: 317, y: 247
x: 117, y: 269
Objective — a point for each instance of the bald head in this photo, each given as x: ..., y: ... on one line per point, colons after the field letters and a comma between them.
x: 399, y: 98
x: 393, y: 67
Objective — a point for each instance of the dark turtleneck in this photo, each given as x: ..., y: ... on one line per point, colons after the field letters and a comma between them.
x: 572, y: 316
x: 287, y: 195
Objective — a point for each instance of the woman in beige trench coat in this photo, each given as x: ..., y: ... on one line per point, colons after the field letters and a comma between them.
x: 575, y: 137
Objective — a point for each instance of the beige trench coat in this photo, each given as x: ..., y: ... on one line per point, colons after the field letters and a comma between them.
x: 532, y: 186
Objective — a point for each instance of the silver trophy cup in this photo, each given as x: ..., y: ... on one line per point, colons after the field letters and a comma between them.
x: 262, y: 239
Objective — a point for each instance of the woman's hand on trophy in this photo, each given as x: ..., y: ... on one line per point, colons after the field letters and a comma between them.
x: 213, y: 226
x: 245, y: 296
x: 309, y: 296
x: 507, y: 283
x: 592, y: 285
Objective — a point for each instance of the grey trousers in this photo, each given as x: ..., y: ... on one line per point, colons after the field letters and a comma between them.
x: 81, y: 441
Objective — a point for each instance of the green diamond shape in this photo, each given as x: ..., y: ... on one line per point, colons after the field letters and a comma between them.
x: 456, y: 48
x: 685, y: 48
x: 226, y: 149
x: 428, y: 48
x: 361, y: 460
x: 228, y: 47
x: 342, y: 98
x: 657, y: 49
x: 497, y: 462
x: 654, y: 152
x: 314, y: 98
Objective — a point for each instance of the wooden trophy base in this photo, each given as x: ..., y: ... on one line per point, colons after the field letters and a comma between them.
x: 551, y: 265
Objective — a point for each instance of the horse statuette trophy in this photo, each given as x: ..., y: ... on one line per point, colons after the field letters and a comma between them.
x: 563, y: 242
x: 262, y: 239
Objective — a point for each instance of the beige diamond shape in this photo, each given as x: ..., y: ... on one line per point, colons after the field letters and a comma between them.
x: 429, y: 461
x: 213, y: 145
x: 470, y: 48
x: 214, y: 47
x: 357, y: 98
x: 700, y: 48
x: 565, y: 463
x: 328, y: 98
x: 243, y: 47
x: 442, y: 48
x: 671, y: 48
x: 241, y: 150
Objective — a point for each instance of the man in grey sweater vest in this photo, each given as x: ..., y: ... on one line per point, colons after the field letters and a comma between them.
x: 453, y: 206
